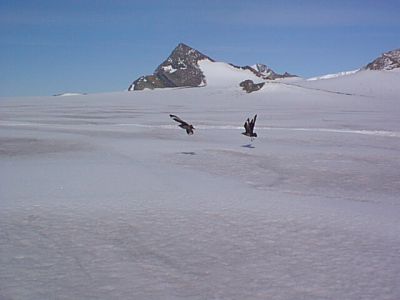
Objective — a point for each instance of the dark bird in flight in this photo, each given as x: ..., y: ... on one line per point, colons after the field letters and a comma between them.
x: 249, y: 127
x: 188, y: 127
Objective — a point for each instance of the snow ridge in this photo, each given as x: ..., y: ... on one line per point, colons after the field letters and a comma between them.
x: 335, y: 75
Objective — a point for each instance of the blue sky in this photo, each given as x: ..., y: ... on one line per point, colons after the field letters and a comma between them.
x: 49, y: 47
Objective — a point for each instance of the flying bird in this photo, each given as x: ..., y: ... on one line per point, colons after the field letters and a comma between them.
x: 188, y: 127
x: 249, y: 127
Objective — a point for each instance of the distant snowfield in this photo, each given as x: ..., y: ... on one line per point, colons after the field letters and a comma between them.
x: 221, y: 74
x: 68, y: 94
x: 330, y: 76
x: 104, y: 197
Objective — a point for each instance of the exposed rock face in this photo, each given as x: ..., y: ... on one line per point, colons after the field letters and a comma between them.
x: 180, y: 69
x: 147, y: 82
x: 387, y: 61
x: 267, y: 73
x: 249, y: 86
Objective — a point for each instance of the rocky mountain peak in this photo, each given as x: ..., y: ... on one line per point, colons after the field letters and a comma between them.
x: 261, y: 68
x: 183, y: 52
x: 264, y: 70
x: 179, y: 69
x: 387, y: 61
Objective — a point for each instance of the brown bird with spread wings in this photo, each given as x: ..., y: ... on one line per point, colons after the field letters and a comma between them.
x: 249, y: 127
x: 188, y: 127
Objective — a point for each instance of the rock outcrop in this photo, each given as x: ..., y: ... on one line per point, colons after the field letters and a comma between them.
x: 387, y: 61
x: 268, y: 74
x: 180, y: 69
x: 249, y: 86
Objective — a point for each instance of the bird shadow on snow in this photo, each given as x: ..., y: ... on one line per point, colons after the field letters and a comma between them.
x: 248, y: 146
x: 188, y: 153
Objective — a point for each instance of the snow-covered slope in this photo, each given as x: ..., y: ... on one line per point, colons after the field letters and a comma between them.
x: 68, y: 94
x: 386, y: 62
x: 103, y: 196
x: 366, y: 83
x: 182, y: 69
x: 329, y: 76
x: 225, y: 75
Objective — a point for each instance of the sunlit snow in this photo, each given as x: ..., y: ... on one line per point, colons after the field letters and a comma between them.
x: 329, y: 76
x: 225, y: 75
x: 103, y: 196
x: 169, y: 69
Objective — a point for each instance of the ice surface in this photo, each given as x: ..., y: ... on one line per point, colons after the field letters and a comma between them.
x: 104, y: 197
x: 224, y: 75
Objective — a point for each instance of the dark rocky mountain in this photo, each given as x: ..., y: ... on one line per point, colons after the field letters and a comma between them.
x: 178, y: 70
x: 387, y: 61
x: 181, y: 69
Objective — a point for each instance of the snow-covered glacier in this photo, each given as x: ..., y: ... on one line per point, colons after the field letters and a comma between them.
x: 104, y: 197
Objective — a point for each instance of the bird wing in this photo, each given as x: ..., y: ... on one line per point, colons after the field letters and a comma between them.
x: 246, y: 126
x: 179, y: 120
x: 253, y: 123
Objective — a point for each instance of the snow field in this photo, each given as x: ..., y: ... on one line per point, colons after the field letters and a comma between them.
x: 103, y: 196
